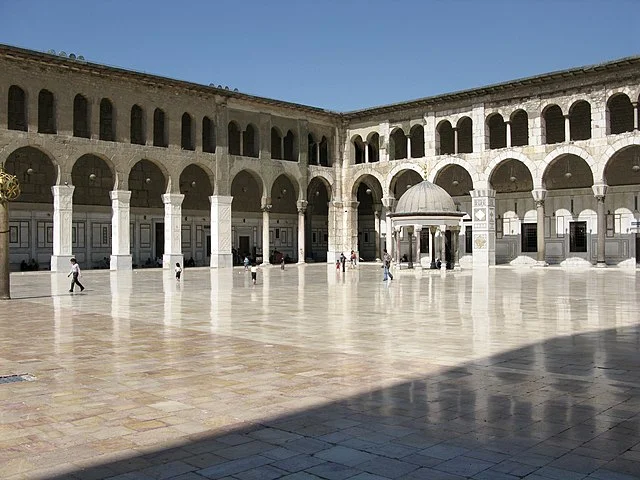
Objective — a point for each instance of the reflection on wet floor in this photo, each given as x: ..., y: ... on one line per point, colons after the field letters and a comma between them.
x: 311, y: 373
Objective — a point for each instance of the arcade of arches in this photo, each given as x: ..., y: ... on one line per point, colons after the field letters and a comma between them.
x: 122, y: 181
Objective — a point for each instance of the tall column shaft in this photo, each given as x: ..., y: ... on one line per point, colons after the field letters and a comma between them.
x: 443, y: 248
x: 456, y: 248
x: 408, y: 146
x: 62, y: 227
x: 539, y: 196
x: 432, y: 246
x: 302, y: 207
x: 5, y: 292
x: 172, y: 230
x: 221, y: 256
x: 398, y: 256
x: 567, y: 128
x: 635, y: 115
x: 366, y: 152
x: 599, y: 191
x: 266, y: 249
x: 120, y: 237
x: 376, y: 225
x: 388, y: 204
x: 418, y: 232
x: 508, y: 124
x: 455, y: 141
x: 484, y: 227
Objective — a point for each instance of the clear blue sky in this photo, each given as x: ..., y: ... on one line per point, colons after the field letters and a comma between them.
x: 336, y: 54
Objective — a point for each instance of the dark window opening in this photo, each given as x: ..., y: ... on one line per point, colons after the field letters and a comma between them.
x: 208, y: 136
x: 468, y: 239
x: 234, y: 138
x: 580, y: 121
x: 519, y: 129
x: 445, y: 133
x: 620, y: 114
x: 81, y: 117
x: 324, y: 152
x: 398, y: 145
x: 578, y: 236
x: 159, y: 132
x: 106, y: 121
x: 554, y: 125
x: 137, y: 122
x: 465, y: 135
x: 417, y: 142
x: 249, y: 142
x: 289, y: 147
x: 46, y: 112
x: 529, y: 237
x: 17, y: 111
x: 186, y: 140
x: 358, y: 150
x: 497, y: 132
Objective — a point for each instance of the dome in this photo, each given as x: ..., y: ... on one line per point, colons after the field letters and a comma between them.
x: 425, y: 197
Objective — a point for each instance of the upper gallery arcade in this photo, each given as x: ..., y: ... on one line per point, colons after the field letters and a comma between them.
x: 120, y: 168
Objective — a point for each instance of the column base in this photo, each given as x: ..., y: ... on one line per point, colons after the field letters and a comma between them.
x: 221, y: 260
x: 169, y: 260
x: 601, y: 265
x: 60, y: 263
x: 121, y: 262
x: 541, y: 263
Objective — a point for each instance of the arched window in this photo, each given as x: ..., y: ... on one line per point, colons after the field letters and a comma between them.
x: 159, y: 129
x: 553, y: 124
x: 620, y: 114
x: 373, y: 146
x: 465, y: 135
x: 208, y: 136
x: 107, y: 132
x: 46, y: 112
x: 276, y: 144
x: 312, y: 152
x: 358, y: 150
x: 444, y: 138
x: 324, y: 152
x: 17, y: 119
x: 519, y: 128
x: 81, y: 117
x: 417, y: 141
x: 497, y: 131
x: 397, y: 145
x: 137, y: 125
x: 290, y: 147
x: 234, y: 138
x: 580, y: 120
x: 187, y: 132
x: 250, y: 142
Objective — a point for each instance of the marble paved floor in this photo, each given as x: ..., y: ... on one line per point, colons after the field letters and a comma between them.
x: 496, y: 375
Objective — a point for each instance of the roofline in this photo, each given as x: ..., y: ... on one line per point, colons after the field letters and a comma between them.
x: 10, y: 51
x: 427, y: 214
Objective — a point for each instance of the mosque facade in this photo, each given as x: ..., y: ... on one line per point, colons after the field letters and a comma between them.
x: 123, y: 169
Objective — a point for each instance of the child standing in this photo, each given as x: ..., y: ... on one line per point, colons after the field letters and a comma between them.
x: 254, y: 272
x: 75, y: 271
x: 178, y: 271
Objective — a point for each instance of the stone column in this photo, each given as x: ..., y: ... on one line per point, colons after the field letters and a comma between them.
x: 241, y: 142
x: 635, y: 115
x: 539, y: 196
x: 432, y: 246
x: 398, y: 231
x: 120, y: 241
x: 266, y: 208
x: 334, y: 232
x: 62, y: 227
x: 317, y: 153
x: 377, y: 208
x: 221, y: 256
x: 456, y: 247
x: 417, y: 231
x: 567, y: 128
x: 172, y: 230
x: 410, y: 235
x: 484, y: 227
x: 350, y: 228
x: 366, y: 152
x: 302, y: 207
x: 599, y: 191
x: 388, y: 203
x: 508, y: 124
x: 443, y: 248
x: 455, y: 141
x: 408, y: 146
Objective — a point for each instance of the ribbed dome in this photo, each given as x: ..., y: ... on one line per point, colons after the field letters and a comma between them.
x: 425, y: 198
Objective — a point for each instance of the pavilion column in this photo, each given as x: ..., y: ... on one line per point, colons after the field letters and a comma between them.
x: 266, y: 208
x: 484, y: 227
x: 417, y: 232
x: 455, y: 238
x: 172, y: 230
x: 408, y: 146
x: 398, y: 256
x: 599, y: 191
x: 508, y: 124
x: 62, y: 227
x: 376, y: 213
x: 388, y: 204
x: 302, y: 207
x: 539, y: 196
x: 410, y: 235
x: 567, y: 128
x: 635, y: 115
x: 432, y: 246
x: 443, y: 248
x: 120, y: 241
x: 221, y: 254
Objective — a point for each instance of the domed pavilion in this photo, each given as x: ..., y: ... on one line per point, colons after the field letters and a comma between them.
x: 427, y: 206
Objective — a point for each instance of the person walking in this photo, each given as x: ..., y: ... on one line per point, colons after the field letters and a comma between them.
x: 178, y: 271
x: 386, y: 265
x: 75, y: 272
x: 343, y: 261
x: 246, y: 262
x: 254, y: 272
x: 353, y: 259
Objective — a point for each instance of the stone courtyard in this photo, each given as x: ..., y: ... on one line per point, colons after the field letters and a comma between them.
x: 490, y: 374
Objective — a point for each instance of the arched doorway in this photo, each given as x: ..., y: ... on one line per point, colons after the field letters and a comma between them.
x: 147, y: 183
x: 367, y: 191
x: 93, y: 180
x: 246, y: 223
x: 317, y: 219
x: 195, y: 185
x: 30, y: 218
x: 283, y: 229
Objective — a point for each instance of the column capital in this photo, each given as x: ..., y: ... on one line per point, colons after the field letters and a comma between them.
x: 353, y: 205
x: 539, y: 194
x: 634, y: 104
x: 377, y: 208
x: 599, y: 190
x: 483, y: 193
x: 388, y: 202
x: 265, y: 204
x: 417, y: 229
x: 173, y: 199
x: 122, y: 196
x: 220, y: 199
x: 302, y: 206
